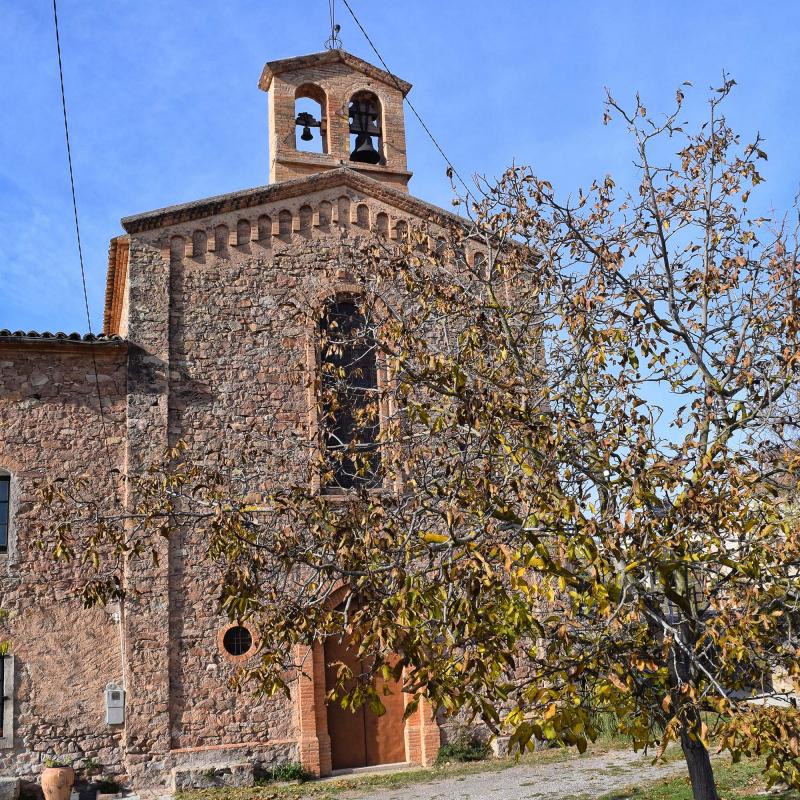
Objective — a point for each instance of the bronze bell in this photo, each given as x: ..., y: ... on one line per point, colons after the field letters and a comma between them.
x: 364, y: 152
x: 306, y: 135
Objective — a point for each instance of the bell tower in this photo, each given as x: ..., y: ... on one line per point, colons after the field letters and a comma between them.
x: 330, y: 110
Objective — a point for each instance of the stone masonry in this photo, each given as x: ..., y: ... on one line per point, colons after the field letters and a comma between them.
x: 196, y: 349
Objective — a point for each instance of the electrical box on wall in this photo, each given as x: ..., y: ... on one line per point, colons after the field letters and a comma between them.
x: 115, y: 704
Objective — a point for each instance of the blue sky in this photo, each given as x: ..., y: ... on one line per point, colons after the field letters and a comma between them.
x: 164, y: 106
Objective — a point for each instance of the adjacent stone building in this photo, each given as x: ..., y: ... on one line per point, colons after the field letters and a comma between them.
x: 193, y: 350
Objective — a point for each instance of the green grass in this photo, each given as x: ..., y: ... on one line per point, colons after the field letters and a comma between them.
x: 334, y: 788
x: 735, y: 781
x: 742, y: 781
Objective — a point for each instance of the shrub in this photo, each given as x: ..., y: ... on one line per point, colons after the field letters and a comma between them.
x: 606, y: 723
x: 287, y: 771
x: 466, y: 745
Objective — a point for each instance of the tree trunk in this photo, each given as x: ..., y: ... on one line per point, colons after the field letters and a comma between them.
x: 700, y: 772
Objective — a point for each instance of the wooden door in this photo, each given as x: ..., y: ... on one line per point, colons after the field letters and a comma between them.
x: 361, y: 738
x: 385, y: 735
x: 346, y: 728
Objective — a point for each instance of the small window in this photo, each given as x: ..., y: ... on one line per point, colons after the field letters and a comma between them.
x: 5, y: 517
x: 237, y: 640
x: 349, y: 409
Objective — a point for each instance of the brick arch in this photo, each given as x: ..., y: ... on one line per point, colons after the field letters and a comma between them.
x: 285, y: 222
x: 363, y: 215
x: 243, y: 232
x: 360, y: 87
x: 177, y: 248
x: 382, y: 223
x: 306, y: 215
x: 313, y: 91
x: 264, y: 230
x: 421, y: 730
x: 221, y: 239
x: 325, y: 211
x: 360, y: 84
x: 199, y: 244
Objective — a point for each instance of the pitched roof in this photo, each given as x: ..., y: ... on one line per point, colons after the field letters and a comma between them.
x: 234, y: 201
x: 273, y: 68
x: 247, y: 198
x: 5, y: 333
x: 86, y: 342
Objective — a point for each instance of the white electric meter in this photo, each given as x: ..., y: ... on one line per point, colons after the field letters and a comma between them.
x: 115, y: 704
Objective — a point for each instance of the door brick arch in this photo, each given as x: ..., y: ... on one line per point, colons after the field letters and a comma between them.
x: 326, y: 736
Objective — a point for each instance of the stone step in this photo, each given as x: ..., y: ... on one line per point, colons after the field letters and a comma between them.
x: 9, y: 788
x: 212, y: 776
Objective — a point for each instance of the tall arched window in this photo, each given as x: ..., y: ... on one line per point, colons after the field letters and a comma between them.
x: 350, y: 406
x: 366, y: 133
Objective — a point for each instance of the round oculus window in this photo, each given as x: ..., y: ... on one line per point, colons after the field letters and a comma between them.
x: 237, y: 640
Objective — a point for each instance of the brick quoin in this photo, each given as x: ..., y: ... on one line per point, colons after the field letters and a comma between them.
x: 193, y: 350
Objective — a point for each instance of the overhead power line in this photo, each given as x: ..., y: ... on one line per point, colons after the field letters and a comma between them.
x: 78, y: 236
x: 451, y: 168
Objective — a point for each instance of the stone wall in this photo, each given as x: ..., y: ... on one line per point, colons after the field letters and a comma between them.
x: 245, y: 290
x: 50, y: 426
x: 219, y: 313
x: 238, y: 366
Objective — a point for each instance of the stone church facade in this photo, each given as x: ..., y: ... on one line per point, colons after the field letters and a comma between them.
x: 194, y: 349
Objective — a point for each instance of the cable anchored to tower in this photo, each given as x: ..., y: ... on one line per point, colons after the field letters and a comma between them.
x: 333, y: 42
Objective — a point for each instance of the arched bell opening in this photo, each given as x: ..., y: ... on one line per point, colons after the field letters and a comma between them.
x: 366, y: 128
x: 311, y: 127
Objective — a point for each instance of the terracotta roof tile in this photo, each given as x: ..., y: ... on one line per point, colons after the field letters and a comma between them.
x: 100, y: 338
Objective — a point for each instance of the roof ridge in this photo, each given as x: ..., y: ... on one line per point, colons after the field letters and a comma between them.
x: 273, y: 68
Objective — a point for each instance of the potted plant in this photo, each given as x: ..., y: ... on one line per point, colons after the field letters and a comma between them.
x: 57, y: 779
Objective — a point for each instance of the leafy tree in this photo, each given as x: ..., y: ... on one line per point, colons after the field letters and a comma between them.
x: 573, y: 503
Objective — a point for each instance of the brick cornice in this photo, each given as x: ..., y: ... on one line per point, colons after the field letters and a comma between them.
x: 261, y: 195
x: 273, y: 68
x: 115, y: 283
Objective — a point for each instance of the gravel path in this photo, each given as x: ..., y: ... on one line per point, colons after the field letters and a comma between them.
x: 579, y: 777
